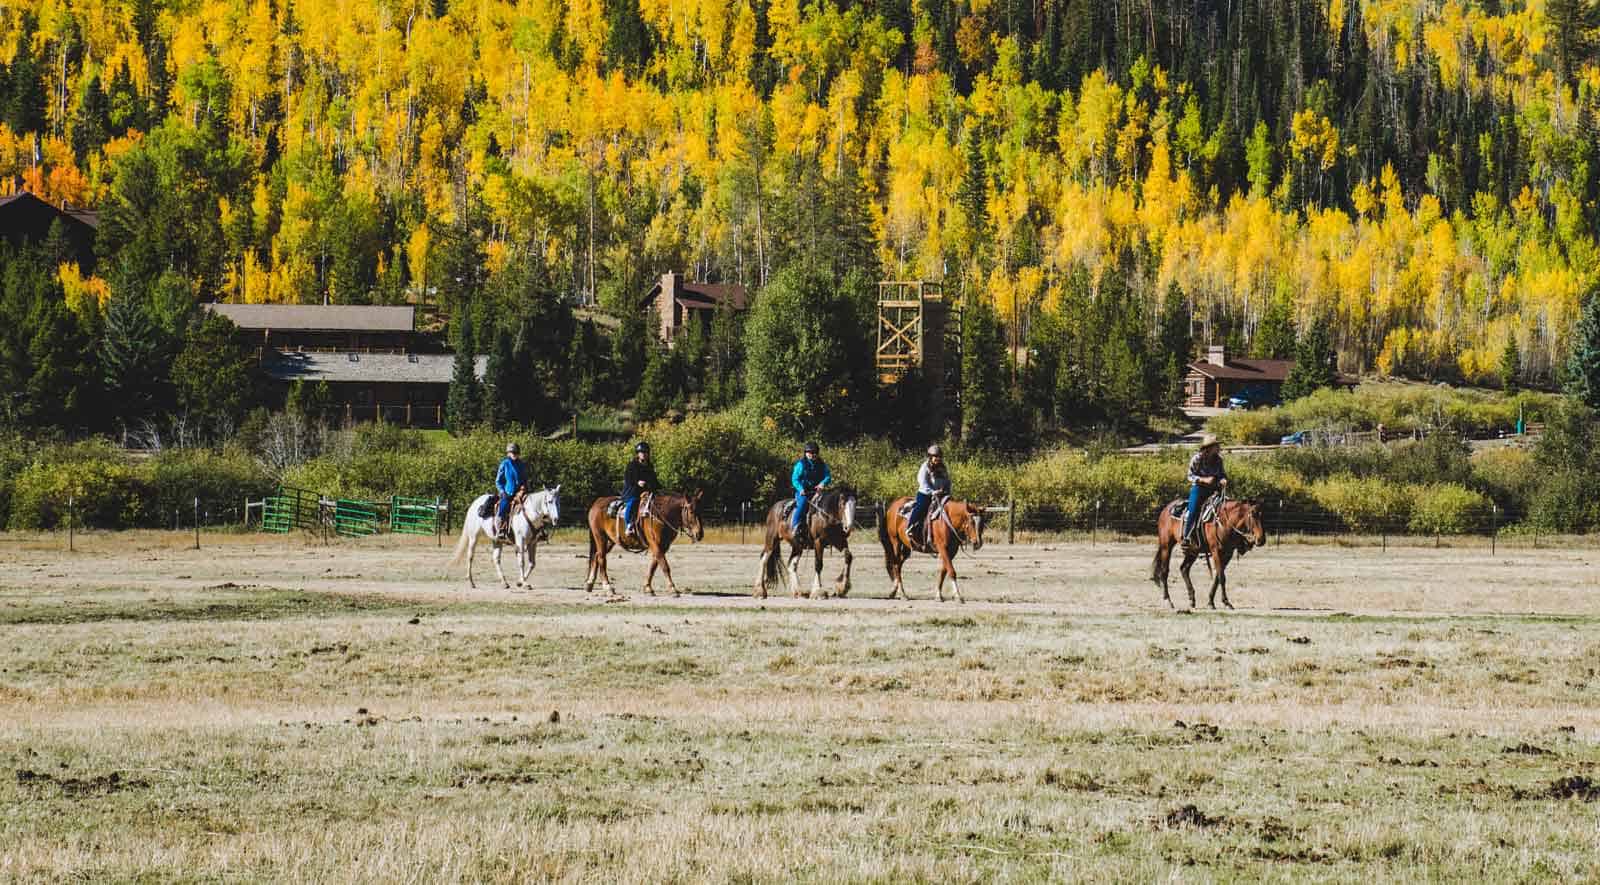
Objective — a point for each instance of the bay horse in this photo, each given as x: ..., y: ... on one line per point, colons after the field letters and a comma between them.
x: 1236, y: 528
x: 950, y: 524
x: 537, y: 511
x: 662, y: 517
x: 829, y: 520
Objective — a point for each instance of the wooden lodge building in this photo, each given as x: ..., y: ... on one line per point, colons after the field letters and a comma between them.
x: 378, y: 367
x: 26, y: 219
x: 678, y: 302
x: 1211, y: 381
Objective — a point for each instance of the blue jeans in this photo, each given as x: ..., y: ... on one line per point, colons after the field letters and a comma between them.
x: 505, y: 506
x: 919, y: 510
x: 1198, y: 495
x: 800, y: 502
x: 630, y: 507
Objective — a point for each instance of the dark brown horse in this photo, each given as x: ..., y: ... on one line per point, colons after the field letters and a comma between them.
x: 828, y: 522
x: 661, y: 518
x: 949, y: 526
x: 1236, y: 528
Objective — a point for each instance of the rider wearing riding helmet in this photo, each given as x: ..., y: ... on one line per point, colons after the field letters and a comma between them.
x: 507, y: 480
x: 933, y: 478
x: 809, y: 475
x: 639, y: 478
x: 1206, y: 478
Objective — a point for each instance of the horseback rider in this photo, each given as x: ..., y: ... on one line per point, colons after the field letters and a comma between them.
x: 1206, y: 478
x: 810, y: 475
x: 639, y: 478
x: 933, y: 478
x: 508, y: 480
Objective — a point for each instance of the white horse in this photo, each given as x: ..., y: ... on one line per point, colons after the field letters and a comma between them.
x: 539, y: 510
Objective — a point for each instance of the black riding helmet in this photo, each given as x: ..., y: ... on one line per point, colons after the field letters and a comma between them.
x: 641, y: 447
x: 811, y: 448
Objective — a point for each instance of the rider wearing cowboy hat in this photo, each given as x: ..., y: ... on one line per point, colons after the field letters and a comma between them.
x: 507, y: 480
x: 639, y: 478
x: 933, y: 478
x: 810, y: 474
x: 1206, y: 478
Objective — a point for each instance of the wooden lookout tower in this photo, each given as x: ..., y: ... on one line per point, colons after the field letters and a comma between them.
x: 919, y: 329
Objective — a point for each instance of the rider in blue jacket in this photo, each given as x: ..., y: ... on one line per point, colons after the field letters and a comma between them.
x: 810, y: 474
x: 507, y: 480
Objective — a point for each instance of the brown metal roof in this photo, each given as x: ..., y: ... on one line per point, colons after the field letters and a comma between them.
x: 709, y: 295
x: 1244, y: 370
x: 319, y: 317
x: 402, y: 368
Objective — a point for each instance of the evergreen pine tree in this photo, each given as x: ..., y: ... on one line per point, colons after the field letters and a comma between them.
x: 134, y: 355
x: 463, y: 400
x: 214, y: 375
x: 1313, y: 363
x: 1274, y: 338
x: 656, y: 388
x: 1175, y: 348
x: 1583, y: 362
x: 500, y: 384
x: 987, y: 412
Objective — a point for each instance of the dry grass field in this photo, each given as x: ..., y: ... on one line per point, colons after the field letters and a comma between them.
x: 281, y: 709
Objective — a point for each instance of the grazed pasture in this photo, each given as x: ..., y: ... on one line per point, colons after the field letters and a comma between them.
x: 281, y: 709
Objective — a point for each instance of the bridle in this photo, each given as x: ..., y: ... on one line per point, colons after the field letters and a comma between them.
x: 663, y: 520
x: 828, y: 519
x: 543, y: 516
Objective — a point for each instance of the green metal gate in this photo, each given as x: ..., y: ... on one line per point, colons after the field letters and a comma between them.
x: 289, y: 509
x: 355, y: 519
x: 413, y: 516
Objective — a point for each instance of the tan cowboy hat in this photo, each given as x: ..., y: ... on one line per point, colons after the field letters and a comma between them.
x: 1207, y: 440
x: 935, y: 450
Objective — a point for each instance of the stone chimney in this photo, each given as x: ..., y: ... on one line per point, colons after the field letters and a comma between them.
x: 668, y: 302
x: 1217, y: 354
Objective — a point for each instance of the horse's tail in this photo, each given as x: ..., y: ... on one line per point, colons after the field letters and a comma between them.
x: 1163, y: 558
x: 883, y: 538
x: 773, y: 550
x: 461, y: 545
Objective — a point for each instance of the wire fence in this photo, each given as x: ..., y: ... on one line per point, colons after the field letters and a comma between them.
x: 328, y: 519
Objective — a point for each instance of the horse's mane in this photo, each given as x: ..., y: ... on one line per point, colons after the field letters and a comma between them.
x: 839, y: 491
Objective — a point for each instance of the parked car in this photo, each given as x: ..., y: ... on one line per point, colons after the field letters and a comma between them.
x: 1253, y: 397
x: 1298, y: 438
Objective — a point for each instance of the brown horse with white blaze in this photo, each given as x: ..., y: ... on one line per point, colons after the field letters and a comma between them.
x: 662, y: 517
x: 828, y: 522
x: 1236, y: 529
x: 949, y: 526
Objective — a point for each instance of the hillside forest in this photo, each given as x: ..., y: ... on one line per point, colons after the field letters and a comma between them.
x: 1106, y: 184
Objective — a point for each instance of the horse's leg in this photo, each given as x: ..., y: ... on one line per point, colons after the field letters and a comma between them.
x: 666, y: 572
x: 1163, y: 568
x: 497, y: 569
x: 816, y: 579
x: 603, y: 550
x: 1220, y: 582
x: 842, y: 585
x: 533, y: 554
x: 472, y: 548
x: 792, y: 570
x: 761, y: 572
x: 947, y: 562
x: 1189, y: 556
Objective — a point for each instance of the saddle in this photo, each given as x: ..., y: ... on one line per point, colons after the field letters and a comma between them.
x: 630, y: 540
x: 1208, y: 512
x: 922, y: 541
x: 487, y: 510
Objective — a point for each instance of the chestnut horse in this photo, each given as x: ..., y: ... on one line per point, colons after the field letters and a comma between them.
x: 1236, y: 528
x: 662, y: 516
x: 950, y: 525
x: 829, y: 519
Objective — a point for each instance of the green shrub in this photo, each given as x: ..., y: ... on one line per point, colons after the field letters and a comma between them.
x: 104, y: 493
x: 1448, y: 509
x: 717, y: 454
x: 172, y: 480
x: 1261, y: 427
x: 1363, y: 504
x: 1509, y: 475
